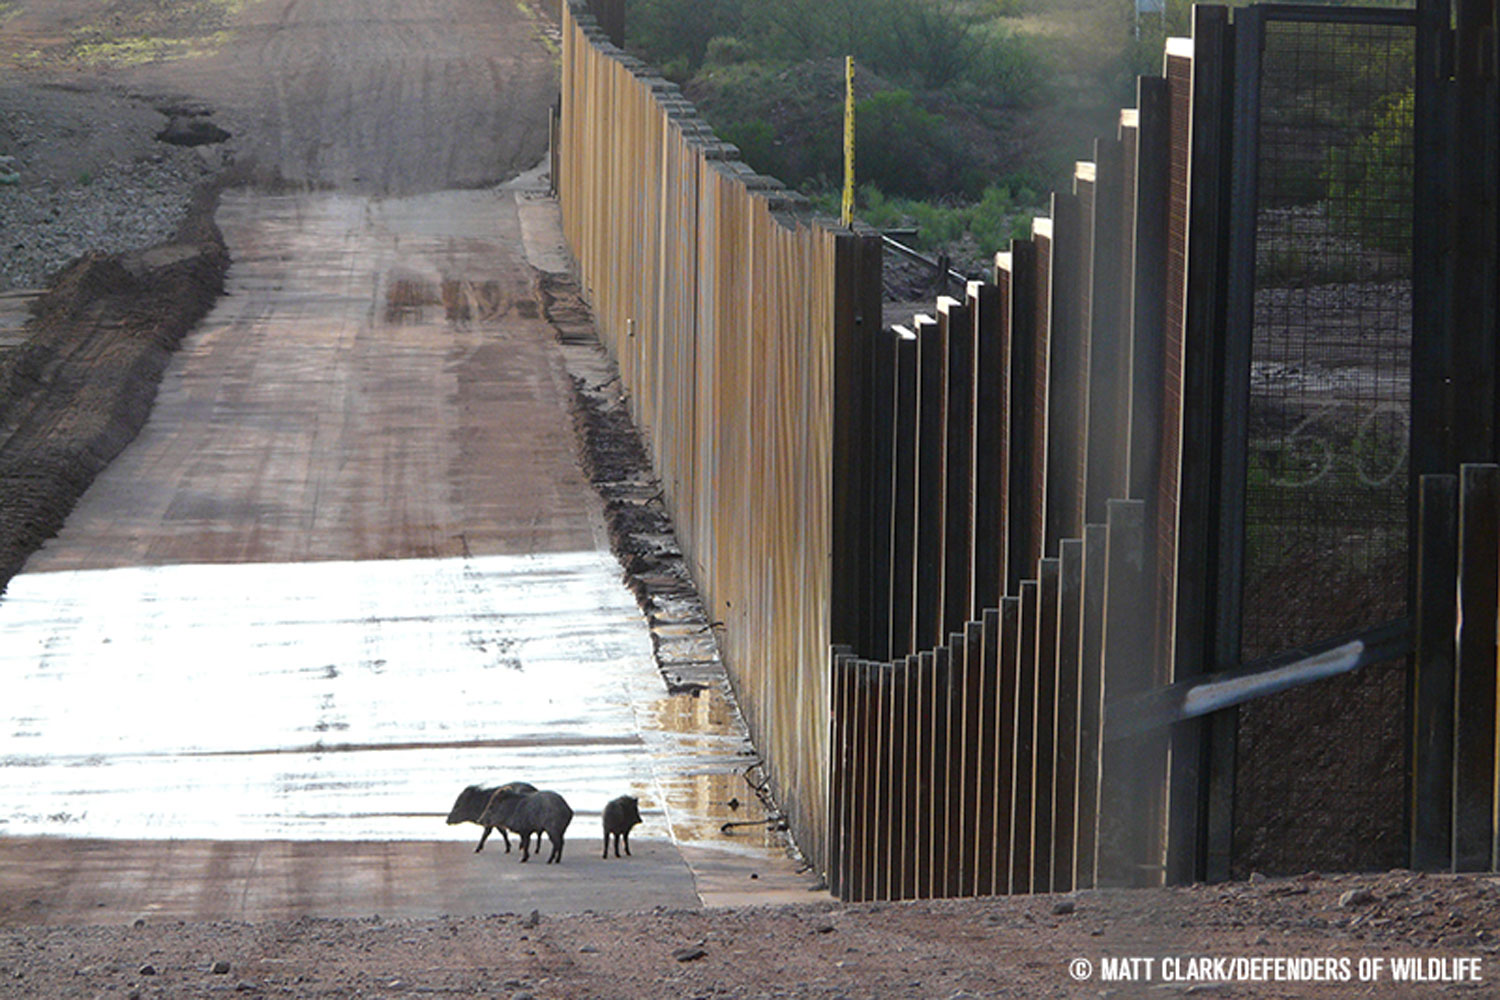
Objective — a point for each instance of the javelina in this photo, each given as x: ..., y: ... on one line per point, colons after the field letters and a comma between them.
x: 619, y: 816
x: 524, y: 813
x: 470, y: 807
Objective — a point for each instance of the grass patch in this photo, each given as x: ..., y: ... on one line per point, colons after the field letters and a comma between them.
x: 981, y: 227
x: 125, y: 35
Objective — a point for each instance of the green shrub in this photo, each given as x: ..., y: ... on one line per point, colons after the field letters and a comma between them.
x: 1015, y: 8
x: 671, y: 30
x: 990, y: 219
x: 929, y: 42
x: 727, y: 50
x: 988, y: 224
x: 1010, y: 71
x: 1370, y: 181
x: 899, y: 147
x: 757, y: 143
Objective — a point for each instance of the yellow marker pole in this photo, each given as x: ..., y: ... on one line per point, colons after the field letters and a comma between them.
x: 846, y: 216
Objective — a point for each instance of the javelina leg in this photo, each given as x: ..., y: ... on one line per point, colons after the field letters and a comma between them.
x: 525, y: 848
x: 486, y: 836
x: 606, y: 844
x: 556, y: 850
x: 625, y: 837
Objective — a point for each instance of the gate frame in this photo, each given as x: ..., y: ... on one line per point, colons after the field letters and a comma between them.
x: 1221, y: 641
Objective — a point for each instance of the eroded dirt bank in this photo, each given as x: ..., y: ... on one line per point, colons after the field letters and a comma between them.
x: 80, y: 386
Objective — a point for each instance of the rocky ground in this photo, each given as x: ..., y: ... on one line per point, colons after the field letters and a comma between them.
x: 1396, y: 934
x: 90, y: 175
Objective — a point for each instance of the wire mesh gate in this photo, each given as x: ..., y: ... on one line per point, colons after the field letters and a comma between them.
x: 1318, y: 422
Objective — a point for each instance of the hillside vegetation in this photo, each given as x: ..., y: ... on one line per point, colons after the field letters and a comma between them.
x: 968, y: 111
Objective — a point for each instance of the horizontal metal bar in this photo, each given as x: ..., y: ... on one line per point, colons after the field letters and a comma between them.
x: 1204, y: 695
x: 1338, y: 15
x: 961, y: 279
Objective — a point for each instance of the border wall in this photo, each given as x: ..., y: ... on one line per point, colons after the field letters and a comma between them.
x: 733, y: 315
x: 1109, y: 571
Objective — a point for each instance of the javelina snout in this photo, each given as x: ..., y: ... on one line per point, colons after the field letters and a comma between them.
x: 470, y: 806
x: 524, y: 813
x: 619, y: 816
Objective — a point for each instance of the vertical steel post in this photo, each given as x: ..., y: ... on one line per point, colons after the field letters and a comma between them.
x: 1474, y: 724
x: 1435, y: 621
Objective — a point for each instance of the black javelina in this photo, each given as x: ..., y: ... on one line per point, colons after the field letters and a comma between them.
x: 470, y: 807
x: 525, y: 813
x: 619, y: 816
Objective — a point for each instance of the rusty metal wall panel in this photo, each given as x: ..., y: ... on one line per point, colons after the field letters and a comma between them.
x: 903, y: 491
x: 1179, y: 75
x: 1039, y: 387
x: 1044, y: 725
x: 1023, y: 761
x: 968, y: 742
x: 909, y: 699
x: 1067, y: 375
x: 986, y: 305
x: 987, y: 750
x: 1109, y: 252
x: 1066, y: 771
x: 958, y: 489
x: 932, y: 422
x: 1022, y: 536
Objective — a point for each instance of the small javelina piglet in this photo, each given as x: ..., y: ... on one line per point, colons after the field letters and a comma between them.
x: 470, y: 807
x: 525, y: 813
x: 619, y: 816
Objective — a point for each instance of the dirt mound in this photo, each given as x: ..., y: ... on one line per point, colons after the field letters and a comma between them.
x: 81, y: 385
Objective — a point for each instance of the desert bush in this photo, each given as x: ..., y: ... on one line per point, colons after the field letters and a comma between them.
x: 1010, y: 71
x: 757, y: 144
x: 669, y: 31
x: 901, y: 148
x: 1370, y: 181
x: 727, y: 50
x: 988, y: 224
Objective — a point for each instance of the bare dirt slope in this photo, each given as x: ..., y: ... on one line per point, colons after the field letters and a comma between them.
x: 373, y: 97
x: 361, y: 95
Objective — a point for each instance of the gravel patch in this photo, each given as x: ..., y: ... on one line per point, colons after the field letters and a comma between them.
x: 91, y: 176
